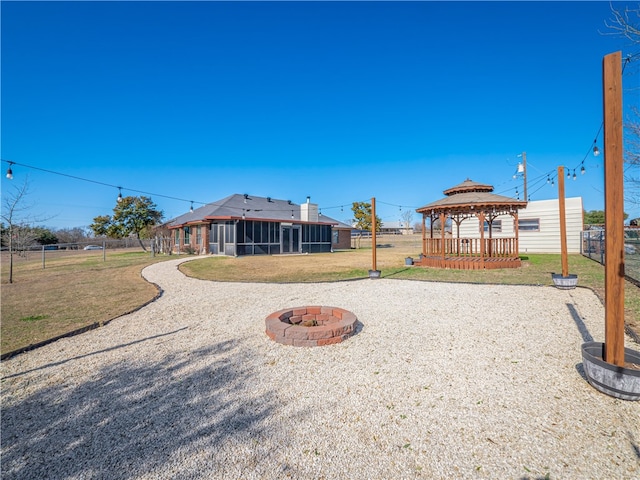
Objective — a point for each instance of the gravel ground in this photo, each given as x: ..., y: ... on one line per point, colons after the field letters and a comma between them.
x: 442, y: 381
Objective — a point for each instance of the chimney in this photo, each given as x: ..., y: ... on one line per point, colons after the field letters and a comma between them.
x: 309, y: 211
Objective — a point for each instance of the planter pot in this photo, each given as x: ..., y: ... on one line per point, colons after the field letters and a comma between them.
x: 564, y: 283
x: 374, y: 273
x: 619, y: 382
x: 408, y: 261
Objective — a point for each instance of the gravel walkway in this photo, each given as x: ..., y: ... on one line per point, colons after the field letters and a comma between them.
x: 443, y: 381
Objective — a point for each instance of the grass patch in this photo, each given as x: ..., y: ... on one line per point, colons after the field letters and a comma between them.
x: 71, y: 292
x: 34, y: 318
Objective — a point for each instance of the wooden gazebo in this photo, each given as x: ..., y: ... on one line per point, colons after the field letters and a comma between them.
x: 468, y: 200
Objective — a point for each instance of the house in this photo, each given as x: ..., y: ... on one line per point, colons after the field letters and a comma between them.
x: 250, y: 225
x: 538, y: 226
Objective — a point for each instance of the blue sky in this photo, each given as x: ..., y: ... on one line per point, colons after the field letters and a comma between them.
x: 342, y: 101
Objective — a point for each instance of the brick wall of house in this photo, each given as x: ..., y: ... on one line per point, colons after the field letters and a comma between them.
x: 344, y: 240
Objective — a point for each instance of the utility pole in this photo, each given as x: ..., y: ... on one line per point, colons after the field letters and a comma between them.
x: 524, y: 174
x: 522, y: 168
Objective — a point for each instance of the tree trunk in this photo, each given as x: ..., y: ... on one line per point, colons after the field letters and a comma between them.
x: 140, y: 242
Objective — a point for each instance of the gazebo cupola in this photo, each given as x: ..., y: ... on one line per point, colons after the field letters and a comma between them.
x: 468, y: 200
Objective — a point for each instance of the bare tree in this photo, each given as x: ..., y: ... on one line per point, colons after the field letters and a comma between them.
x: 406, y: 218
x: 16, y: 232
x: 626, y: 23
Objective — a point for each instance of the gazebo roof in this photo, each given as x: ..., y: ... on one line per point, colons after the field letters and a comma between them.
x: 468, y: 186
x: 470, y: 197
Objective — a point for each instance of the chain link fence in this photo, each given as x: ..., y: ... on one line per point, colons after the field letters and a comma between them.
x: 593, y: 247
x: 95, y: 247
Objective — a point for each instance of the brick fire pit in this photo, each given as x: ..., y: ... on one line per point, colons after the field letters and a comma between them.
x: 310, y: 326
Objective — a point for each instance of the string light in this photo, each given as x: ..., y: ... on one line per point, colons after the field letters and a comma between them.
x: 119, y: 199
x: 574, y: 174
x: 94, y: 181
x: 10, y: 172
x: 191, y: 209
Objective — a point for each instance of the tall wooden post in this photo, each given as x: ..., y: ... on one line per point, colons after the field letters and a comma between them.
x: 614, y: 209
x: 563, y: 223
x: 373, y: 233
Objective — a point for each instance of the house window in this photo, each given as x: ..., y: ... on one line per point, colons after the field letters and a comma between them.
x: 198, y: 235
x: 496, y: 226
x: 187, y: 235
x: 177, y: 236
x: 529, y: 225
x: 335, y: 236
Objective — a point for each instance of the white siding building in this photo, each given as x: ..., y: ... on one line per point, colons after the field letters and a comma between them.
x: 539, y: 226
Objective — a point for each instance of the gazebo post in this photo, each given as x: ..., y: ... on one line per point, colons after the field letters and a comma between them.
x: 442, y: 221
x: 516, y: 228
x: 424, y: 234
x: 481, y: 218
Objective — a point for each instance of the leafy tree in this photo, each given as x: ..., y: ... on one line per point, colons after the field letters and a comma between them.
x: 596, y: 217
x: 131, y: 216
x: 362, y: 217
x: 44, y: 236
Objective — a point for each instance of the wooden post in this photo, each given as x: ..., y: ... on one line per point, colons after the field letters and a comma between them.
x: 516, y: 228
x: 563, y: 223
x: 614, y: 209
x: 373, y: 233
x: 481, y: 218
x: 424, y: 234
x: 443, y: 219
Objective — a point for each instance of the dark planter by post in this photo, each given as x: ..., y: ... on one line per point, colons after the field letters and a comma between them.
x: 564, y: 283
x: 374, y: 273
x: 408, y: 261
x: 619, y: 382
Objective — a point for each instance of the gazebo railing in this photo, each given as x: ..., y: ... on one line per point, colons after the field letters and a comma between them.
x: 471, y: 247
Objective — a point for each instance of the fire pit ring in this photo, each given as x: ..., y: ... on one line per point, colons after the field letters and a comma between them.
x: 310, y: 326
